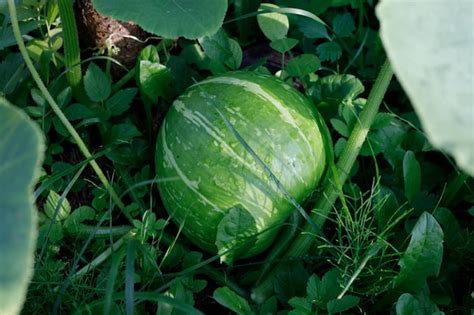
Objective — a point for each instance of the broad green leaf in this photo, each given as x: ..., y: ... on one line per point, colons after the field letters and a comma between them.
x: 411, y: 175
x: 343, y: 304
x: 120, y: 101
x: 220, y: 47
x: 420, y: 304
x: 170, y: 19
x: 340, y: 127
x: 96, y: 83
x: 274, y: 25
x: 430, y: 45
x: 78, y: 111
x: 423, y: 256
x: 290, y: 280
x: 12, y: 69
x: 21, y: 153
x: 329, y: 51
x: 330, y: 288
x: 388, y: 141
x: 269, y: 307
x: 302, y: 306
x: 407, y: 304
x: 284, y: 44
x: 332, y: 90
x: 311, y: 28
x: 7, y: 38
x: 302, y: 65
x: 57, y: 208
x: 313, y: 287
x: 153, y: 78
x: 343, y: 25
x: 73, y: 221
x: 453, y: 235
x: 231, y: 300
x: 121, y: 134
x: 234, y: 233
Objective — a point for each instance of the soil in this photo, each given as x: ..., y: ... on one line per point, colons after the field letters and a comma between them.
x: 96, y: 29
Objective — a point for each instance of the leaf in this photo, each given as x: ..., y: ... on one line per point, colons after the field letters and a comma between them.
x: 382, y: 120
x: 411, y: 175
x: 302, y: 65
x: 77, y: 112
x: 153, y: 78
x: 343, y: 25
x: 221, y: 48
x: 121, y: 134
x: 120, y: 101
x: 231, y: 300
x: 284, y: 44
x: 73, y: 221
x: 21, y: 154
x: 56, y: 208
x: 170, y: 19
x: 332, y: 90
x: 407, y: 304
x: 96, y: 83
x: 313, y: 287
x: 439, y: 84
x: 343, y: 304
x: 329, y: 287
x: 7, y: 38
x: 340, y: 127
x: 234, y: 233
x: 11, y: 69
x: 453, y: 235
x: 273, y: 25
x: 312, y: 29
x: 423, y: 256
x: 291, y: 280
x: 301, y: 306
x: 329, y: 51
x: 269, y: 307
x: 388, y: 141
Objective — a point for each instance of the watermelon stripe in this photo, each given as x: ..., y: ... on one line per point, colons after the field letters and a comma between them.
x: 200, y: 121
x: 193, y: 185
x: 260, y: 92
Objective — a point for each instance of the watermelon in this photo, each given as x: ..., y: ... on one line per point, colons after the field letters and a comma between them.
x: 203, y: 152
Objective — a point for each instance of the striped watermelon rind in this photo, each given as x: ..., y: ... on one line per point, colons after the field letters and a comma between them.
x: 208, y: 169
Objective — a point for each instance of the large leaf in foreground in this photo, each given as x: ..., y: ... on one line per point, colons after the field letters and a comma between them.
x: 430, y: 45
x: 423, y: 256
x: 187, y: 18
x: 21, y: 152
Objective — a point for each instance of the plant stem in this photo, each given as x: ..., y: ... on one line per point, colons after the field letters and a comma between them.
x: 344, y: 165
x: 85, y: 230
x: 72, y: 53
x: 100, y: 259
x: 127, y: 77
x: 325, y: 203
x: 80, y: 143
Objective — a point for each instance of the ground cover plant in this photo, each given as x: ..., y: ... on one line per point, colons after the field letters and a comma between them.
x: 242, y: 157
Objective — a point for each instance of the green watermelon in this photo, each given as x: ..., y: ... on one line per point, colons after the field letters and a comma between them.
x: 210, y: 171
